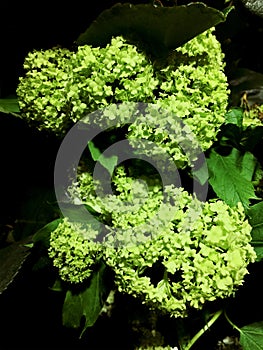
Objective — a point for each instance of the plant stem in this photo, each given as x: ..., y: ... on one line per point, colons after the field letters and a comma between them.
x: 230, y: 322
x: 203, y: 330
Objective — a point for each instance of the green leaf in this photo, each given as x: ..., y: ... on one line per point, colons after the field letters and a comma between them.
x: 94, y: 151
x: 259, y: 250
x: 87, y: 303
x: 157, y: 29
x: 9, y: 106
x: 39, y: 208
x: 256, y: 221
x: 234, y: 116
x: 230, y: 176
x: 251, y: 137
x: 12, y: 258
x: 72, y: 310
x: 201, y: 174
x: 57, y: 286
x: 43, y: 235
x: 109, y: 163
x: 251, y: 336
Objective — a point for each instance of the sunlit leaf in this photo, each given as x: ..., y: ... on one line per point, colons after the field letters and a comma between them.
x: 230, y: 176
x: 9, y: 106
x: 109, y: 163
x: 234, y: 116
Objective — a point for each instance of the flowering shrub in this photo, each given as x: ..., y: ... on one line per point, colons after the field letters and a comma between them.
x: 199, y: 251
x: 61, y: 87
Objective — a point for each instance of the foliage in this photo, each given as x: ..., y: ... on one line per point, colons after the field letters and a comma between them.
x: 236, y: 186
x: 251, y: 336
x: 157, y: 30
x: 88, y: 302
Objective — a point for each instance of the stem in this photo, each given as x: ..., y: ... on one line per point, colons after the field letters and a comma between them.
x: 203, y: 330
x: 230, y: 322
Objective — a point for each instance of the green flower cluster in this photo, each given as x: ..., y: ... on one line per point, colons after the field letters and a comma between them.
x: 74, y: 251
x: 60, y: 87
x: 193, y: 87
x: 253, y: 117
x: 199, y: 256
x: 164, y: 246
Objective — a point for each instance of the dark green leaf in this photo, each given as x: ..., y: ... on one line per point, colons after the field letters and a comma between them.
x: 251, y: 137
x: 57, y: 286
x: 158, y: 29
x: 256, y: 221
x: 230, y: 176
x: 251, y: 336
x: 9, y: 106
x: 38, y: 209
x: 72, y: 310
x: 88, y: 303
x: 43, y: 235
x: 12, y: 258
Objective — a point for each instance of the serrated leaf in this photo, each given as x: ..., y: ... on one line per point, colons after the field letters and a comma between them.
x: 158, y: 29
x: 251, y: 336
x: 86, y: 303
x: 9, y: 106
x: 230, y: 176
x: 12, y: 258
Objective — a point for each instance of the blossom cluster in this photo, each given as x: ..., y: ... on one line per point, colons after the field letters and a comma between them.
x: 164, y: 246
x: 60, y: 87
